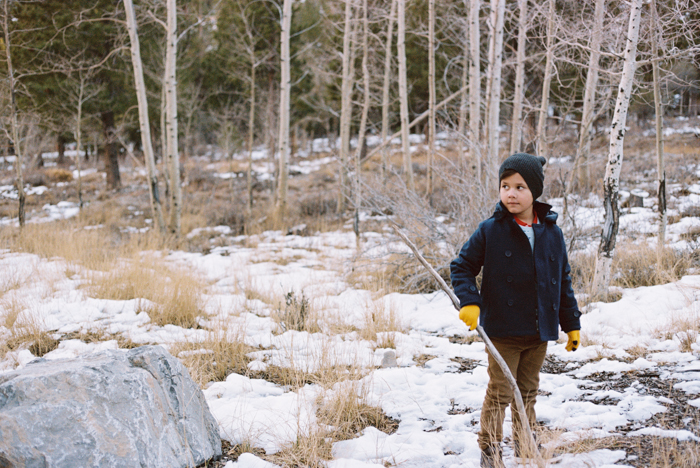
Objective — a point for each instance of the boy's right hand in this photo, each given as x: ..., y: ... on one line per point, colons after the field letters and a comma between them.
x: 470, y: 315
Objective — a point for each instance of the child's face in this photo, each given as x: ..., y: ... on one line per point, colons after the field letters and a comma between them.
x: 516, y: 196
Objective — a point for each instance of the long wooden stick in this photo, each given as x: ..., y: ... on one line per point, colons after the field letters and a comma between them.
x: 520, y: 406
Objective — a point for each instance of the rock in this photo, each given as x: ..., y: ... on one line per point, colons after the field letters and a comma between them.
x: 389, y: 359
x: 109, y: 409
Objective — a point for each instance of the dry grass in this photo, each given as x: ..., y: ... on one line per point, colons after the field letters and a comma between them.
x: 634, y: 265
x: 342, y: 414
x: 380, y: 323
x: 297, y: 314
x: 222, y: 353
x: 683, y: 329
x: 26, y: 331
x: 174, y: 295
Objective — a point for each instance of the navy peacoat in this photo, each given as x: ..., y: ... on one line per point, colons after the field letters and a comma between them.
x: 523, y: 292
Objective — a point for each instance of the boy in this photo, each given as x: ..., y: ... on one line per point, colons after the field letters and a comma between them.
x: 525, y: 294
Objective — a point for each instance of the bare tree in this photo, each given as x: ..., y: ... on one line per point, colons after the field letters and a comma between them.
x: 171, y: 119
x: 581, y: 160
x: 14, y: 127
x: 363, y: 119
x: 493, y: 93
x: 403, y: 94
x: 285, y: 83
x: 346, y: 104
x: 611, y: 182
x: 475, y: 86
x: 542, y: 149
x: 144, y: 123
x: 658, y: 107
x: 431, y: 96
x: 387, y: 84
x: 516, y: 131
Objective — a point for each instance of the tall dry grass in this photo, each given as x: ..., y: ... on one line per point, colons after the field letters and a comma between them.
x: 25, y: 330
x: 634, y: 265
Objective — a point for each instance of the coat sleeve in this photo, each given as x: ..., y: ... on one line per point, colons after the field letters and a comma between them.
x: 569, y: 312
x: 465, y: 268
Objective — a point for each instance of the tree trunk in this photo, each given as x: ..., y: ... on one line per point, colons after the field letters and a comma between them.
x: 475, y: 87
x: 270, y: 133
x: 283, y: 140
x: 581, y: 168
x: 611, y: 182
x: 658, y: 107
x: 431, y: 97
x: 19, y: 178
x: 345, y: 107
x: 463, y: 102
x: 171, y: 119
x: 386, y: 85
x: 61, y: 149
x: 363, y: 120
x: 498, y: 8
x: 144, y: 123
x: 403, y: 94
x: 164, y: 156
x: 111, y: 151
x: 516, y: 128
x: 251, y: 131
x: 78, y: 139
x: 542, y: 149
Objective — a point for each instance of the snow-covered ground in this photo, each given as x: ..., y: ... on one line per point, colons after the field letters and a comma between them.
x: 437, y: 402
x: 437, y: 387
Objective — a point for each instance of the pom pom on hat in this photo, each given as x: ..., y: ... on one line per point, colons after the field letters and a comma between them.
x: 529, y: 167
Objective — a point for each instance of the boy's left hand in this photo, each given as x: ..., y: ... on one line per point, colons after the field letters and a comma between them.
x: 574, y: 340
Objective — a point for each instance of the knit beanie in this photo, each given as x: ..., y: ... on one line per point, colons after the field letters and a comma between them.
x: 529, y: 167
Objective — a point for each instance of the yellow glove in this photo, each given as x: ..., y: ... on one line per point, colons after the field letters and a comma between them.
x: 470, y: 315
x: 574, y: 340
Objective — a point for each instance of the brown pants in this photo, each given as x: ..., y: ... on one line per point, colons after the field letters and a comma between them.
x: 524, y: 356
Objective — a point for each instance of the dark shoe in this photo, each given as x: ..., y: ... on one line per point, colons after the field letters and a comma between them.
x: 491, y: 457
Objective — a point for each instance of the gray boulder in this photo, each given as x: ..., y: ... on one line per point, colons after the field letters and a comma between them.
x: 138, y: 408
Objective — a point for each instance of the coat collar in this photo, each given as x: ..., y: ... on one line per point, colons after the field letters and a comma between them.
x: 543, y: 210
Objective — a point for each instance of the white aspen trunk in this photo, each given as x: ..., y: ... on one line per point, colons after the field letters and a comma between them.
x: 164, y: 156
x: 403, y: 94
x: 171, y: 118
x: 19, y: 178
x: 363, y: 120
x: 542, y: 149
x: 345, y: 106
x: 251, y: 132
x: 658, y: 107
x: 78, y: 139
x: 516, y: 130
x: 285, y: 83
x: 475, y: 87
x: 431, y: 97
x: 144, y: 123
x: 581, y: 167
x: 463, y: 102
x: 498, y: 8
x: 386, y: 85
x: 611, y: 182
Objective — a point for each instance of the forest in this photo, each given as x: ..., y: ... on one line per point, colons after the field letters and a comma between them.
x: 224, y: 177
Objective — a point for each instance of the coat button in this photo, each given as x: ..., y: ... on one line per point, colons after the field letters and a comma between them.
x: 551, y: 257
x: 510, y: 302
x: 472, y: 288
x: 554, y: 281
x: 508, y: 253
x: 509, y: 279
x: 554, y: 307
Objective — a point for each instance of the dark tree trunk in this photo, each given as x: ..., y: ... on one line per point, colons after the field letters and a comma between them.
x: 61, y: 148
x: 111, y: 152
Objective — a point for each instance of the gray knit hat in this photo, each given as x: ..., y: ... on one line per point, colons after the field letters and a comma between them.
x: 529, y: 167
